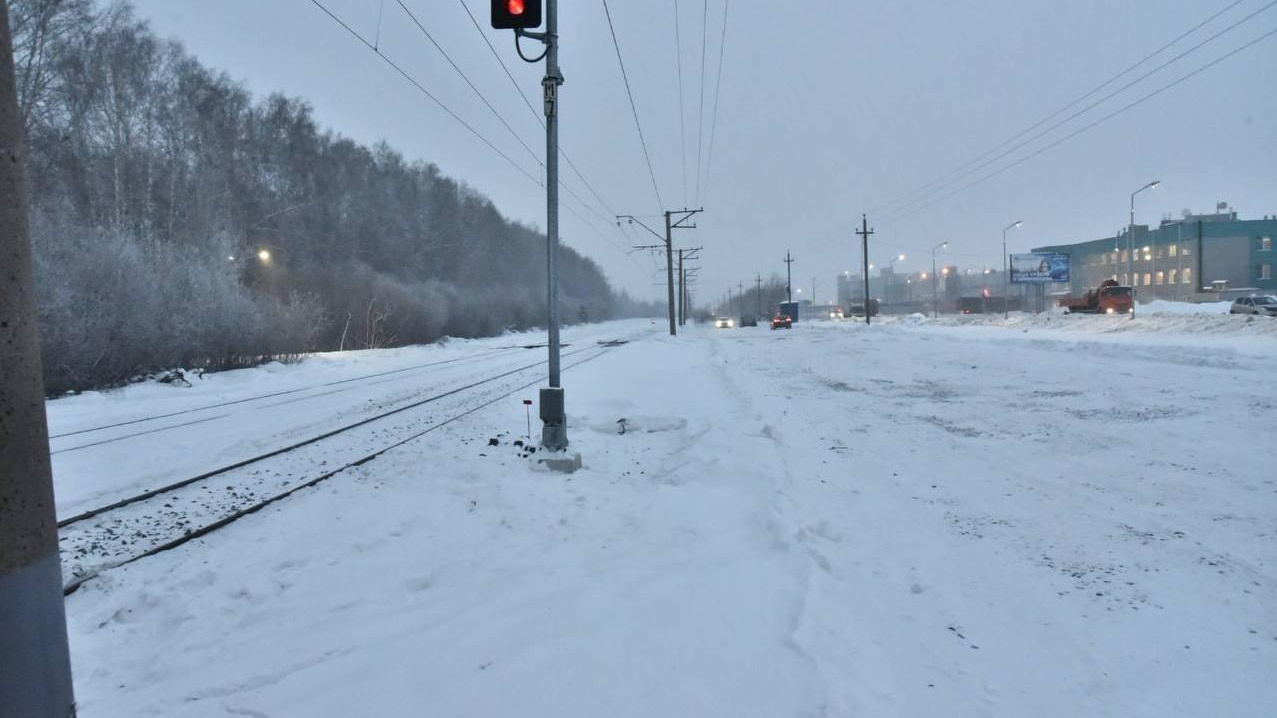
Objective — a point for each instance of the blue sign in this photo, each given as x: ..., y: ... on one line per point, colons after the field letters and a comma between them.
x: 1040, y: 268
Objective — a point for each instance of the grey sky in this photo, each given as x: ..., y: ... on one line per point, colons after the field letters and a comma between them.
x: 827, y: 109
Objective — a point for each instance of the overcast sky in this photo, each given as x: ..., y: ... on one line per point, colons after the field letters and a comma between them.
x: 826, y: 110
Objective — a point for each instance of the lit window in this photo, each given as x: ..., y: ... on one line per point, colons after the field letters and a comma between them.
x: 1161, y: 276
x: 1265, y: 244
x: 1148, y: 279
x: 1173, y: 276
x: 1186, y: 250
x: 1136, y: 280
x: 1265, y: 271
x: 1125, y: 253
x: 1188, y: 276
x: 1172, y: 250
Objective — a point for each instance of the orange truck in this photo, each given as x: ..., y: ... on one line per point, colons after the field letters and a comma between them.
x: 1109, y: 298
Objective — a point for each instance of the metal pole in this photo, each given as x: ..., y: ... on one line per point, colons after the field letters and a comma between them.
x: 759, y: 280
x: 554, y: 432
x: 682, y: 288
x: 1006, y: 287
x: 35, y: 664
x: 1130, y: 251
x: 864, y: 235
x: 935, y: 288
x: 669, y: 268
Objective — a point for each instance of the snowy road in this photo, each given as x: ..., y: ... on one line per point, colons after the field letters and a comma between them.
x: 843, y: 521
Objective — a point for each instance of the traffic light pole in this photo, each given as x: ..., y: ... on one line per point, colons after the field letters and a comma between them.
x: 35, y: 665
x: 520, y: 16
x: 554, y: 431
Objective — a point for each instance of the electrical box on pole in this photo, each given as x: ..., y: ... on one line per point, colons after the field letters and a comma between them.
x: 516, y: 14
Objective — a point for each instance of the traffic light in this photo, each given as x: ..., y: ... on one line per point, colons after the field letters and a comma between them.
x: 516, y: 14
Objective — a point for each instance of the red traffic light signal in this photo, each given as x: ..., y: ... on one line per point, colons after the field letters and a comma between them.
x: 516, y: 14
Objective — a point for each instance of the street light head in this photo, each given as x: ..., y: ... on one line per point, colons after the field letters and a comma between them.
x: 901, y: 258
x: 1019, y: 222
x: 945, y: 245
x: 264, y: 255
x: 1154, y: 184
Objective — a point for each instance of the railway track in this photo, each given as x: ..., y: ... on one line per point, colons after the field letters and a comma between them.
x: 168, y: 516
x: 318, y: 390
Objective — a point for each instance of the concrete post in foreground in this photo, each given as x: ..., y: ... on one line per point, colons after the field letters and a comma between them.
x: 35, y: 667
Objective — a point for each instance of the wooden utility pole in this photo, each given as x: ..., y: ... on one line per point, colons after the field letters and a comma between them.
x: 35, y: 664
x: 864, y: 233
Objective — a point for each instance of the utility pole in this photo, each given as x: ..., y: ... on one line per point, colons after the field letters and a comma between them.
x: 35, y: 664
x: 682, y: 291
x: 864, y: 233
x: 758, y: 280
x: 740, y: 292
x: 789, y: 277
x: 671, y: 224
x: 813, y: 291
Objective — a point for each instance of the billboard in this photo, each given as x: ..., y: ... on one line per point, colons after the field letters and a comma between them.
x: 1039, y: 268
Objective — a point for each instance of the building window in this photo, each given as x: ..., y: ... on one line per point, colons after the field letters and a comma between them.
x: 1125, y: 253
x: 1126, y: 281
x: 1172, y: 250
x: 1186, y: 250
x: 1173, y: 277
x: 1161, y: 276
x: 1265, y: 271
x: 1265, y: 244
x: 1188, y: 276
x: 1148, y: 279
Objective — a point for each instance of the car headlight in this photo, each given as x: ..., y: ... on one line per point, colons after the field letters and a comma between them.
x: 1110, y: 310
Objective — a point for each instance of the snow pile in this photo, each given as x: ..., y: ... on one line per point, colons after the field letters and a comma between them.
x: 1162, y: 306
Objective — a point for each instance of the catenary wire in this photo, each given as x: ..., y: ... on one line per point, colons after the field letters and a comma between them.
x: 718, y: 84
x: 421, y: 88
x: 528, y: 102
x: 905, y: 200
x: 700, y: 118
x: 1079, y: 131
x: 682, y: 113
x: 633, y: 108
x: 482, y: 98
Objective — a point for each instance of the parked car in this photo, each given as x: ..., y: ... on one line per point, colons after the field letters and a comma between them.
x: 782, y: 321
x: 749, y: 320
x: 1265, y: 305
x: 724, y: 323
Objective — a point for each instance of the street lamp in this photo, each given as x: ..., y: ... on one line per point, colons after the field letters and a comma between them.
x: 935, y: 281
x: 1130, y: 242
x: 264, y: 255
x: 886, y: 288
x: 1006, y: 275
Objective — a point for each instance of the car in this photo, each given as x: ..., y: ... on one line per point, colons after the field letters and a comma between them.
x: 782, y: 321
x: 1265, y: 305
x: 724, y: 323
x: 749, y: 320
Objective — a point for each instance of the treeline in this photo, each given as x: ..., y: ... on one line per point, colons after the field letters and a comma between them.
x: 180, y: 222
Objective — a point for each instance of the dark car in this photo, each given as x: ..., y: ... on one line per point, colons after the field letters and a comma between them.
x: 782, y: 321
x: 748, y: 320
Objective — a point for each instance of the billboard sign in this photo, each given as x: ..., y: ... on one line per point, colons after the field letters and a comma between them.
x: 1039, y: 268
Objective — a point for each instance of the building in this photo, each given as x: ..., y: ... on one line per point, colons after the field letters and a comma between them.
x: 1197, y: 258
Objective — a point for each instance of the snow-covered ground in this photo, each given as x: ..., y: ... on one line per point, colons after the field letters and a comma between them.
x: 1047, y: 516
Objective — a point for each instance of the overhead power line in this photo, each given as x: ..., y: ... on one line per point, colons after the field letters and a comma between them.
x: 537, y: 116
x: 700, y: 118
x: 421, y: 88
x: 468, y: 82
x: 682, y: 114
x: 907, y: 198
x: 718, y: 84
x: 633, y: 108
x: 1079, y: 131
